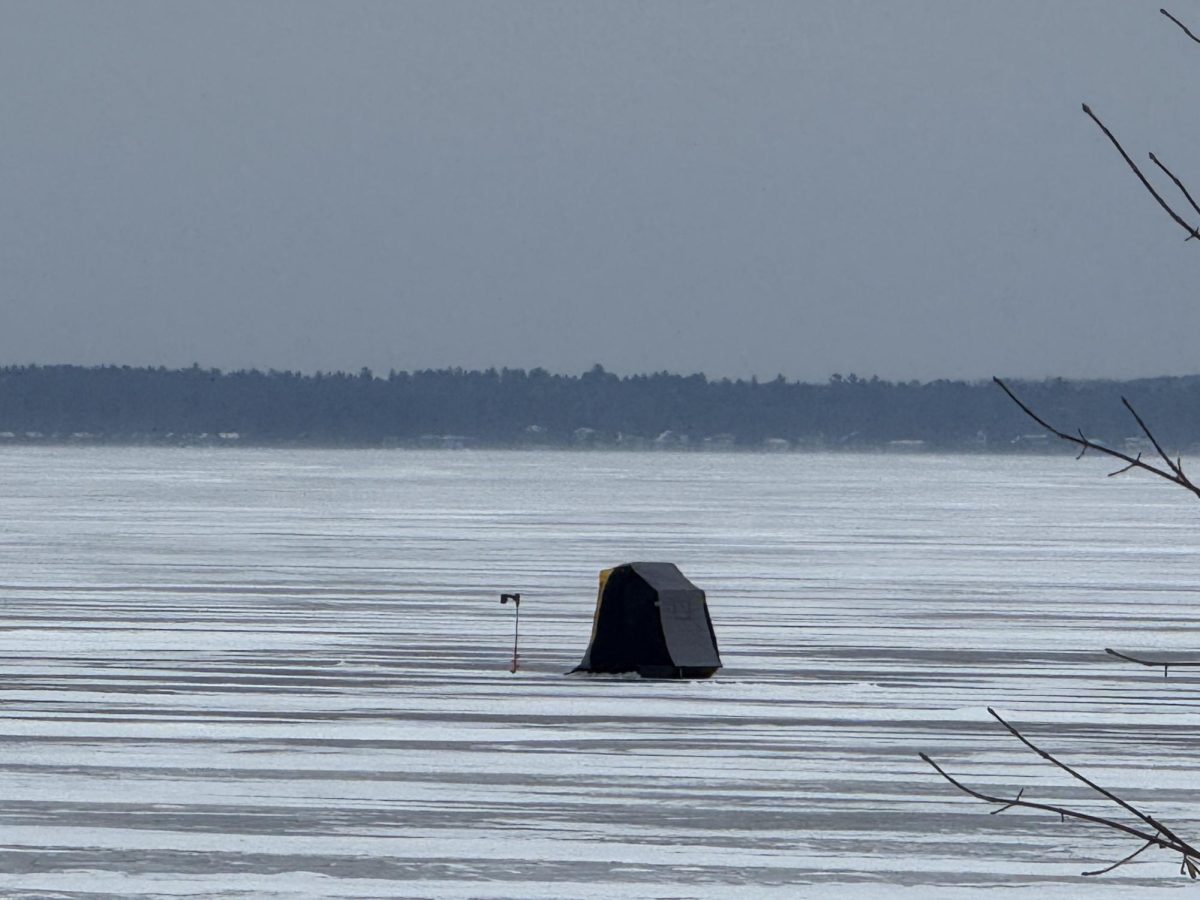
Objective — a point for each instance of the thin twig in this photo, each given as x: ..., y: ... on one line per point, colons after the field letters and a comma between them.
x: 1192, y: 231
x: 1178, y: 183
x: 1174, y: 474
x: 1127, y: 468
x: 1136, y: 853
x: 1173, y: 466
x: 1007, y: 806
x: 1181, y: 25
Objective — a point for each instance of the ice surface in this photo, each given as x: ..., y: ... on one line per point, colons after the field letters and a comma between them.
x: 233, y: 673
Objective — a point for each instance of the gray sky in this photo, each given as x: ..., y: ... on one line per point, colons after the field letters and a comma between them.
x: 902, y: 189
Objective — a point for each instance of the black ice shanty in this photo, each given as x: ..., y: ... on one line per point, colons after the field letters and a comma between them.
x: 651, y: 620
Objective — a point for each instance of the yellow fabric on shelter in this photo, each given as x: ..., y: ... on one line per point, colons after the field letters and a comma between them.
x: 599, y: 602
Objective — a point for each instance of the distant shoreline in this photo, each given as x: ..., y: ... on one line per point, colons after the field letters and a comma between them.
x: 597, y: 410
x: 51, y: 442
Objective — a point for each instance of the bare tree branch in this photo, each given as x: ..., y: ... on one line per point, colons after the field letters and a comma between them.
x: 1103, y: 792
x: 1183, y: 27
x: 1152, y: 663
x: 1061, y: 811
x: 1191, y: 230
x: 1160, y: 836
x: 1173, y: 472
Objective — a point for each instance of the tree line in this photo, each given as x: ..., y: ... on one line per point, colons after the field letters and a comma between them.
x: 515, y: 407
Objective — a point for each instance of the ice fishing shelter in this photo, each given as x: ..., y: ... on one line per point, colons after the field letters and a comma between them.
x: 651, y: 620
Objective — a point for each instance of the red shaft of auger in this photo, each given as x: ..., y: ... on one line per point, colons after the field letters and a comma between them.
x: 516, y: 634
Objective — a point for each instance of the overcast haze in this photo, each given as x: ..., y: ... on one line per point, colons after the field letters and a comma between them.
x: 901, y: 189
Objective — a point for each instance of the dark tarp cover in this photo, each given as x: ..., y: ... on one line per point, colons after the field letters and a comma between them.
x: 651, y: 620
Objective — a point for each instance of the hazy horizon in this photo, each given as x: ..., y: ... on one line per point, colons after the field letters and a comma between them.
x: 742, y: 190
x: 355, y: 371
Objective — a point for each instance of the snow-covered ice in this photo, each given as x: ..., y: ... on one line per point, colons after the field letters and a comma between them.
x: 238, y: 673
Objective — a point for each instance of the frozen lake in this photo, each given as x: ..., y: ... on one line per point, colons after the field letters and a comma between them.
x: 235, y: 673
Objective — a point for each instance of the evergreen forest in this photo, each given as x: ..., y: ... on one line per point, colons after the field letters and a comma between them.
x: 519, y: 408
